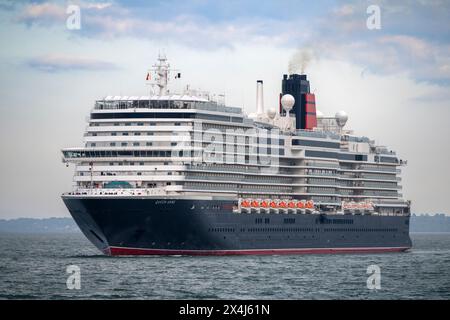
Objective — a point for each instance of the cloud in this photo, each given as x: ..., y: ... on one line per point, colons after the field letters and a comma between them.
x: 98, y: 6
x: 402, y: 45
x: 61, y: 63
x: 344, y: 10
x: 418, y: 47
x: 42, y: 14
x: 113, y: 20
x: 50, y: 13
x: 191, y: 31
x: 342, y: 34
x: 8, y: 5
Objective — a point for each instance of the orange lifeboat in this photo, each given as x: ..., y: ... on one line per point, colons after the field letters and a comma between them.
x: 291, y: 204
x: 282, y: 204
x: 255, y: 204
x: 310, y: 204
x: 264, y: 204
x: 301, y: 205
x: 273, y: 204
x: 245, y: 204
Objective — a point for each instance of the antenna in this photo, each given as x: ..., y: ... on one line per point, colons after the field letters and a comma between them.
x: 162, y: 71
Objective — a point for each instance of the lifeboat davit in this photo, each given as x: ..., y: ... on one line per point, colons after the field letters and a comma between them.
x: 301, y: 205
x: 282, y: 204
x: 245, y: 204
x: 255, y: 204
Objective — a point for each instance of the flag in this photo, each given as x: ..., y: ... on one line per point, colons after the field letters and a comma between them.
x: 148, y: 76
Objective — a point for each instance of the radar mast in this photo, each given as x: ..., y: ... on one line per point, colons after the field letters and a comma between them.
x: 162, y: 71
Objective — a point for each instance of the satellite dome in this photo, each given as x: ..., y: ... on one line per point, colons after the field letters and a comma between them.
x: 287, y: 101
x: 271, y: 113
x: 319, y: 114
x: 341, y: 118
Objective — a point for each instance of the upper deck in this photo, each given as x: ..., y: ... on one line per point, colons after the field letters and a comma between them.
x: 162, y: 102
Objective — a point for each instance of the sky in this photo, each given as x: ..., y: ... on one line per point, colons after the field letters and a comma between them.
x: 393, y: 81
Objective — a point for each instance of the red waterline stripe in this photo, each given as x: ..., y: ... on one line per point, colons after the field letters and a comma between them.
x: 121, y: 251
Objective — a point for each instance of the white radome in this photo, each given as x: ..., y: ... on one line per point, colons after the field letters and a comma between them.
x: 271, y: 113
x: 287, y: 101
x: 341, y: 118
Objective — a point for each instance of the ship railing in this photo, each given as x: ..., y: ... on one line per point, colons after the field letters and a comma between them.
x: 370, y: 177
x: 377, y: 169
x: 317, y: 134
x: 321, y: 174
x: 243, y: 189
x: 118, y: 191
x: 322, y: 165
x: 296, y: 211
x: 383, y: 151
x: 220, y: 168
x: 164, y: 104
x: 234, y: 179
x: 219, y: 108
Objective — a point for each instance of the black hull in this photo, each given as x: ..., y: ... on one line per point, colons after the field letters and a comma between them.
x: 135, y: 226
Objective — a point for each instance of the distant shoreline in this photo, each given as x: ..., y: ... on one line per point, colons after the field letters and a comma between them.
x: 428, y: 232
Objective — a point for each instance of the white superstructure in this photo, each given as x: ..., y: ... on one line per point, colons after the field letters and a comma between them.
x: 188, y: 145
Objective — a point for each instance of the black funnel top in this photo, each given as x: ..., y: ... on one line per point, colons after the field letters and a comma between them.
x: 296, y: 85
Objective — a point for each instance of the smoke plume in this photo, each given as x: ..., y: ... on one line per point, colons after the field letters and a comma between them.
x: 300, y: 61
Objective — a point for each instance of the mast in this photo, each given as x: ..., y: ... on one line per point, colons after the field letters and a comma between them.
x: 162, y: 71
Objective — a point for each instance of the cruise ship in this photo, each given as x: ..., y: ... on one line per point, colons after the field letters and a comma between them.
x: 184, y: 174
